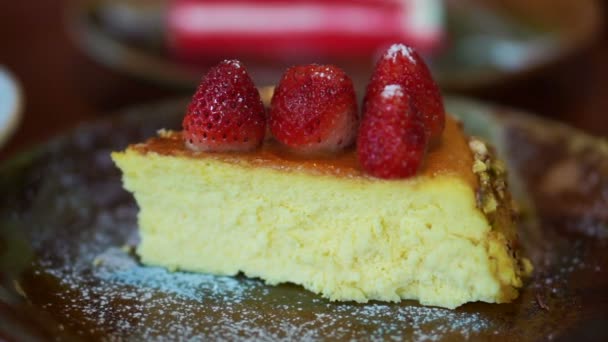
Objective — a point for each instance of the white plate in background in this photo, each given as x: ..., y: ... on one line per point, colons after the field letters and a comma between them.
x: 10, y: 105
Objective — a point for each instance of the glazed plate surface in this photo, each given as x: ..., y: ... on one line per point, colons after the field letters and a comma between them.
x: 67, y: 268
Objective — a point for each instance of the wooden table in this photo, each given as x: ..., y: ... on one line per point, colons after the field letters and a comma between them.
x: 63, y: 87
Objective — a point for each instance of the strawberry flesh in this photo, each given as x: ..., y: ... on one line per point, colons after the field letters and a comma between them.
x: 314, y: 109
x: 403, y: 66
x: 392, y: 140
x: 226, y: 112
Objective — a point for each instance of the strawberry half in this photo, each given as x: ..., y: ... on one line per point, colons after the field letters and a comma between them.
x: 226, y: 112
x: 314, y: 109
x: 401, y: 65
x: 392, y: 140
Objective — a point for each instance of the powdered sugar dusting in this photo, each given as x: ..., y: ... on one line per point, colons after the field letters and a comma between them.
x: 112, y: 294
x: 400, y: 49
x: 326, y: 73
x: 321, y: 74
x: 154, y: 303
x: 235, y: 63
x: 391, y: 91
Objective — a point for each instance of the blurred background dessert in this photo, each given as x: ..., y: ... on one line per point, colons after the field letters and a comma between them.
x: 298, y: 30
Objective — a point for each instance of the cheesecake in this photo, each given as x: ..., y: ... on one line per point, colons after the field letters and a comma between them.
x: 392, y: 203
x: 444, y: 237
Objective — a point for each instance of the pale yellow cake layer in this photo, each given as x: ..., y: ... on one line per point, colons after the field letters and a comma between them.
x: 346, y: 238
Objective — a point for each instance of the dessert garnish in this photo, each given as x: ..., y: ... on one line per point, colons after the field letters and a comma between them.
x: 401, y: 65
x: 314, y: 109
x: 392, y: 141
x: 226, y: 112
x: 403, y: 112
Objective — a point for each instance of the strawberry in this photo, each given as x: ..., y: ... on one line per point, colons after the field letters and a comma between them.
x: 401, y: 65
x: 314, y: 109
x: 392, y: 140
x: 226, y: 112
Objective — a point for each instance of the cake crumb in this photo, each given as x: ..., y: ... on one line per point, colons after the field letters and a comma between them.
x: 97, y: 262
x: 164, y: 133
x: 541, y: 303
x: 19, y: 289
x: 479, y: 166
x: 490, y: 205
x: 127, y: 248
x: 478, y: 147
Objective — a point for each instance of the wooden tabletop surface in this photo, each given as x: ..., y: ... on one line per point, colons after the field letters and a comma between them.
x: 63, y: 87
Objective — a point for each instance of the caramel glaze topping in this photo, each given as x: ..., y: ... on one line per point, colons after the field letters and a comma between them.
x: 451, y: 155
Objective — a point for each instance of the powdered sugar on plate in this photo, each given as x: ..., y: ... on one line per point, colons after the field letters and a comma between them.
x: 152, y: 303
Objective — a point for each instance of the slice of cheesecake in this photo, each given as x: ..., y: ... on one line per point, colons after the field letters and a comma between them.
x: 444, y: 237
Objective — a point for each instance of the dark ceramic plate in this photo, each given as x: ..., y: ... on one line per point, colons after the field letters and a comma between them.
x: 489, y: 42
x: 67, y: 271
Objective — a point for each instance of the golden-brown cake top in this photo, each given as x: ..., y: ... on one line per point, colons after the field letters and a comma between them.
x: 451, y: 155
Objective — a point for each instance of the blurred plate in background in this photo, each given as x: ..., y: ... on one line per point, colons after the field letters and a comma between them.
x: 497, y: 41
x: 10, y: 105
x: 488, y: 42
